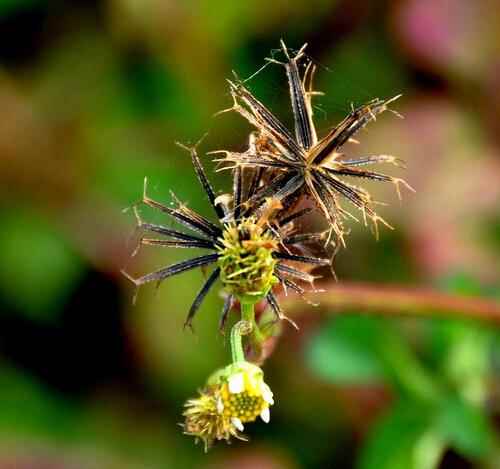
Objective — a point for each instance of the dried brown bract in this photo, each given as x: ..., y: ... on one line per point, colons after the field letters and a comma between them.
x: 251, y: 250
x: 302, y: 164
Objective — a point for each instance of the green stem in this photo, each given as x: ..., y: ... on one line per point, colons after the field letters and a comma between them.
x: 248, y: 314
x: 237, y: 352
x: 247, y: 325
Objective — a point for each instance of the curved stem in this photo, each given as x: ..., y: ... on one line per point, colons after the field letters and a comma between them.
x: 239, y: 329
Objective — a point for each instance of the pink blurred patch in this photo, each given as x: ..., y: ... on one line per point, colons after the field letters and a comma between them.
x: 252, y: 458
x: 425, y: 25
x: 456, y: 173
x: 445, y: 35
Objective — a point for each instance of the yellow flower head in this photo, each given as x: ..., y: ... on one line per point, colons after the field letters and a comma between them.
x: 244, y: 395
x: 235, y: 395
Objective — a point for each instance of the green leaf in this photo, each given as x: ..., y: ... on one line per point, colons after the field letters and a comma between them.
x: 361, y: 349
x: 394, y: 439
x: 465, y: 427
x: 345, y: 351
x: 39, y: 269
x: 460, y: 351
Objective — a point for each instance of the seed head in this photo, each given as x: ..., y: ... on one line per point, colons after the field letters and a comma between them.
x: 246, y: 259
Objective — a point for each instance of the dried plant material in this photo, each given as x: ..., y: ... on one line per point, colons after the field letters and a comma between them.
x: 302, y: 164
x: 249, y: 249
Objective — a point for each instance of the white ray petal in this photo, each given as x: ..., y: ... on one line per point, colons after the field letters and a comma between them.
x: 267, y: 394
x: 220, y: 406
x: 236, y: 383
x: 265, y: 415
x: 237, y: 423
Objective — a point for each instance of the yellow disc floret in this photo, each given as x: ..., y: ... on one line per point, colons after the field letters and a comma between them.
x: 245, y: 396
x: 243, y: 405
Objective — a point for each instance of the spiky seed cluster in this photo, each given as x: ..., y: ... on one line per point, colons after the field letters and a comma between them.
x: 246, y: 259
x: 235, y: 395
x: 303, y: 164
x: 281, y: 168
x: 249, y: 248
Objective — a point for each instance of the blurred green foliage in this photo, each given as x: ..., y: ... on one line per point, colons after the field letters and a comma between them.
x: 28, y: 245
x: 439, y: 396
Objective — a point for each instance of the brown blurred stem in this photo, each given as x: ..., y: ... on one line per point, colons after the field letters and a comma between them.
x: 398, y: 301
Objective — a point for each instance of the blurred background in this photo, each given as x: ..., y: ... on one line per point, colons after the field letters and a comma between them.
x: 93, y: 95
